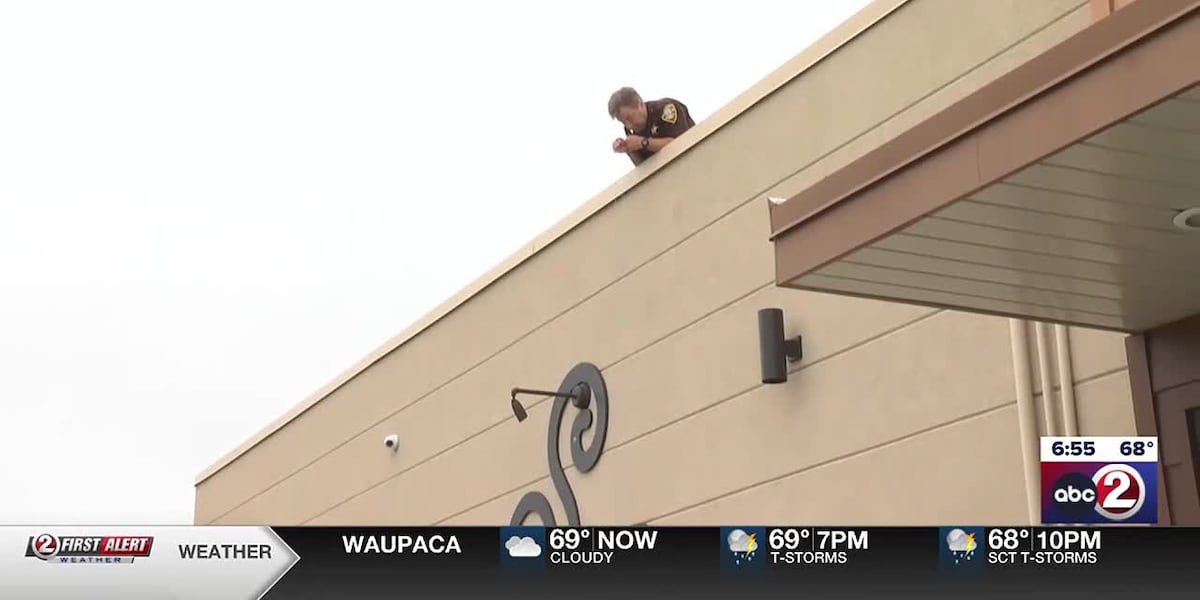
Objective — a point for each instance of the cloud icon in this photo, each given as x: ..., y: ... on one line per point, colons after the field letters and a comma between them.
x: 522, y: 547
x: 738, y: 541
x: 959, y: 541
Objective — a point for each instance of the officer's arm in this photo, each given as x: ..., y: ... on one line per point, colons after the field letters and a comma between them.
x: 658, y: 143
x: 673, y: 122
x: 653, y: 145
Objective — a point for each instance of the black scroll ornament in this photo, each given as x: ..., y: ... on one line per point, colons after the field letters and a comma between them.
x: 583, y: 374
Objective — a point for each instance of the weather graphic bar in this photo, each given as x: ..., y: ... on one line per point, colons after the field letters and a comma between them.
x: 377, y: 562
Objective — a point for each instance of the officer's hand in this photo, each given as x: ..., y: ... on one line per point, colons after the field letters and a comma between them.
x: 618, y: 145
x: 633, y: 142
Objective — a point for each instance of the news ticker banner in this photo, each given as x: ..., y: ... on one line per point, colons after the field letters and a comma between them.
x: 319, y: 562
x: 1099, y: 480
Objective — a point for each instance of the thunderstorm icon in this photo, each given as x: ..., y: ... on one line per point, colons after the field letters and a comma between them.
x: 742, y: 545
x: 962, y: 545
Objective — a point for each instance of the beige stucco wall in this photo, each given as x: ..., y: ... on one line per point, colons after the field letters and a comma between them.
x: 898, y: 414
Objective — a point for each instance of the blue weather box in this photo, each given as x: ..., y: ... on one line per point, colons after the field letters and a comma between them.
x: 741, y: 549
x: 523, y: 548
x: 962, y: 549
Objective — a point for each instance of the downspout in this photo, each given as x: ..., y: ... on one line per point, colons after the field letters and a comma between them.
x: 1026, y: 418
x: 1066, y: 380
x: 1046, y: 374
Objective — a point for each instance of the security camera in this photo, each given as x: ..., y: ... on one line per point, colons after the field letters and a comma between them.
x: 391, y: 442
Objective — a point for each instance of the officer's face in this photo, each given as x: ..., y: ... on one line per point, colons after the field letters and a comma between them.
x: 633, y: 117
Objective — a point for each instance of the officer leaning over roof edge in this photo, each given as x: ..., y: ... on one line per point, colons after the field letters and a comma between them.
x: 649, y: 126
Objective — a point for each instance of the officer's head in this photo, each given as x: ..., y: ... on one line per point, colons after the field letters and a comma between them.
x: 626, y: 106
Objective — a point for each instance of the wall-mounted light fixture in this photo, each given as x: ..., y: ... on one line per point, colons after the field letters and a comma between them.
x: 580, y: 396
x: 584, y: 387
x: 776, y: 350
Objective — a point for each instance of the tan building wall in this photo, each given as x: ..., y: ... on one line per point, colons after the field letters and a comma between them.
x: 897, y: 415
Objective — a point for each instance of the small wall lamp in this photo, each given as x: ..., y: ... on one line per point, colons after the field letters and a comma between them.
x: 776, y: 350
x: 580, y: 396
x: 585, y: 388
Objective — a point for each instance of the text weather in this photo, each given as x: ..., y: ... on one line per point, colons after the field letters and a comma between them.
x: 814, y: 546
x: 1024, y: 546
x: 1111, y: 479
x: 224, y: 551
x: 573, y: 546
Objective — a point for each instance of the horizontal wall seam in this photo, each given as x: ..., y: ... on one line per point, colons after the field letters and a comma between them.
x: 537, y: 402
x: 865, y: 131
x: 1175, y: 386
x: 768, y: 480
x: 491, y: 356
x: 1085, y: 380
x: 935, y: 91
x: 570, y: 466
x: 770, y: 85
x: 838, y: 459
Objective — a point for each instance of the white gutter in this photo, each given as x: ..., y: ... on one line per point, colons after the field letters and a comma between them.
x: 1046, y: 374
x: 1026, y: 418
x: 1066, y: 380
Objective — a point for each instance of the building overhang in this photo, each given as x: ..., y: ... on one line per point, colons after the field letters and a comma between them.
x: 1050, y: 194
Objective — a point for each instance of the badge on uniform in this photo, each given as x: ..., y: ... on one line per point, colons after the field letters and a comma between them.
x: 669, y: 114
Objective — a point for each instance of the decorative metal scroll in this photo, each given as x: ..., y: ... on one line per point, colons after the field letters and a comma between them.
x: 584, y: 458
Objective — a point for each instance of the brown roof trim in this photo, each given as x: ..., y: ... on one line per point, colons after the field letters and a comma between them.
x: 1008, y: 92
x: 1121, y: 65
x: 1100, y: 8
x: 1103, y: 8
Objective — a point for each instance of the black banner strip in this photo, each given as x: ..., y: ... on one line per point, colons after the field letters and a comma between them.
x: 704, y: 562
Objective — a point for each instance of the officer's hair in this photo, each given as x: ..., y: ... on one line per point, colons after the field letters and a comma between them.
x: 625, y: 96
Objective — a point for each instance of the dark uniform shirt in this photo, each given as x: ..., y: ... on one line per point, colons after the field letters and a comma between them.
x: 665, y: 118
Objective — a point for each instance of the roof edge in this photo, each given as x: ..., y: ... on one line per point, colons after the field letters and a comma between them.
x: 825, y: 46
x: 1080, y: 52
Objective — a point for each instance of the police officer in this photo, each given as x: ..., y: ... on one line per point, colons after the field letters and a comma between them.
x: 649, y: 126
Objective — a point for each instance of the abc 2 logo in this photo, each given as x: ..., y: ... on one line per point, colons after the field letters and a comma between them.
x: 1095, y: 493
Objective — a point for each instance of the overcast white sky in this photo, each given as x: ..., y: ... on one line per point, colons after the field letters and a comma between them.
x: 210, y: 209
